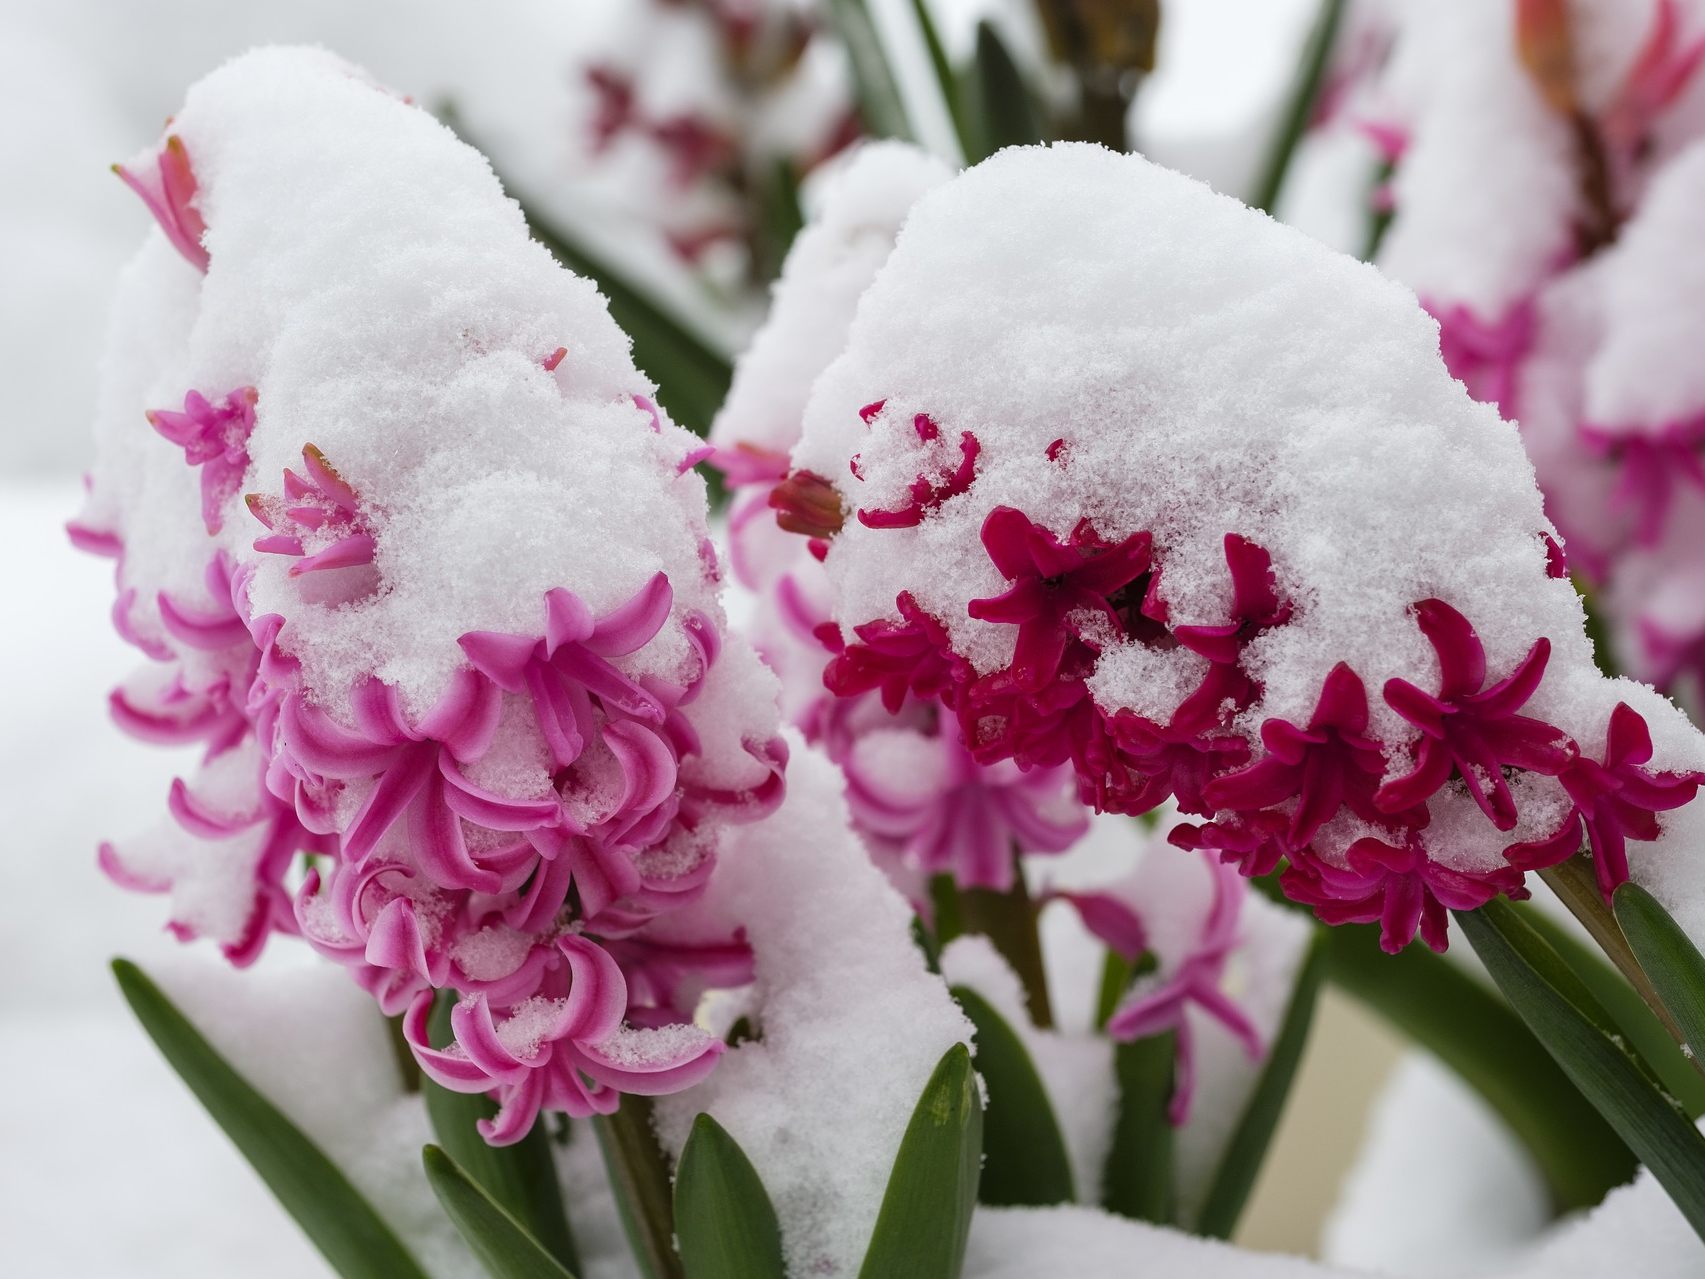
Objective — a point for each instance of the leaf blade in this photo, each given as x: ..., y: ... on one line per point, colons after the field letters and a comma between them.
x: 932, y: 1191
x: 1578, y: 1033
x: 313, y: 1190
x: 995, y: 100
x: 521, y: 1178
x: 1024, y: 1155
x: 725, y: 1224
x: 501, y: 1243
x: 1247, y: 1149
x: 876, y: 88
x: 1671, y: 960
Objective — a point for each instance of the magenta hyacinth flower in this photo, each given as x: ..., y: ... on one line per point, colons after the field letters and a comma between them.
x: 947, y: 814
x: 926, y: 492
x: 1255, y: 605
x: 1053, y: 584
x: 1397, y: 885
x: 908, y: 658
x: 1328, y: 765
x: 1484, y: 356
x: 319, y: 519
x: 214, y: 437
x: 1196, y: 980
x: 565, y: 1048
x: 1652, y: 464
x: 1470, y: 727
x: 1615, y: 801
x: 169, y: 191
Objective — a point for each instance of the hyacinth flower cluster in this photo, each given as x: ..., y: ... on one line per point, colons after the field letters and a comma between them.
x: 1578, y: 130
x: 700, y: 115
x: 1404, y: 723
x: 924, y: 804
x: 453, y: 760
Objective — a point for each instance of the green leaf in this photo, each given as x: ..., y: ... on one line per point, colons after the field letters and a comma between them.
x: 995, y: 100
x: 1671, y: 960
x: 501, y: 1243
x: 724, y: 1221
x: 521, y: 1178
x: 1578, y: 1032
x: 945, y: 81
x: 1461, y: 1021
x: 1137, y: 1179
x: 875, y: 85
x: 1316, y: 56
x: 1024, y: 1156
x: 639, y: 1179
x: 1228, y: 1192
x: 313, y: 1190
x: 1645, y: 1033
x: 780, y: 218
x: 932, y: 1191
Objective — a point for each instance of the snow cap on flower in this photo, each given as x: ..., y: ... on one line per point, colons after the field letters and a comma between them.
x: 1229, y: 514
x: 429, y: 584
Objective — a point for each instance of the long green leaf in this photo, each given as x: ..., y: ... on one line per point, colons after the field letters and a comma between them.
x: 1671, y: 960
x: 1581, y: 1036
x: 1646, y: 1035
x: 1317, y: 54
x: 501, y: 1243
x: 945, y: 81
x: 875, y: 85
x: 639, y: 1179
x: 1457, y: 1018
x: 995, y: 100
x: 932, y: 1191
x: 1137, y: 1180
x: 313, y: 1190
x: 1024, y: 1156
x: 724, y: 1222
x: 1228, y: 1192
x: 521, y: 1178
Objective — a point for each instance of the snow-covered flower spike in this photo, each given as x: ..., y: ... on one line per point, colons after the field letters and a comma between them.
x: 923, y: 802
x: 483, y: 678
x: 1209, y: 552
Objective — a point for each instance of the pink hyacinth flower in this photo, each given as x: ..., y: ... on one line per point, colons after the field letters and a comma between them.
x: 169, y: 192
x: 1652, y: 464
x: 319, y: 520
x: 214, y: 437
x: 1615, y: 801
x: 1329, y: 765
x: 1470, y: 727
x: 1196, y: 980
x: 1486, y: 356
x: 926, y: 492
x: 566, y: 1051
x: 908, y: 658
x: 1397, y: 885
x: 1054, y: 585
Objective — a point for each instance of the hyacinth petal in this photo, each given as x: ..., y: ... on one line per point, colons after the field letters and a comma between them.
x: 465, y: 716
x: 114, y: 868
x: 476, y: 1035
x: 198, y: 818
x: 209, y: 632
x: 325, y: 747
x: 561, y: 708
x: 1218, y: 644
x: 1343, y: 703
x: 606, y: 683
x: 567, y: 619
x: 1006, y: 537
x: 489, y: 809
x: 517, y: 1112
x: 1116, y: 566
x: 437, y: 843
x: 347, y: 552
x: 1418, y: 706
x: 395, y: 791
x: 602, y: 874
x: 548, y: 889
x: 1512, y: 692
x: 634, y: 624
x: 378, y: 712
x: 501, y: 657
x: 1432, y: 770
x: 690, y: 1063
x: 1538, y: 854
x: 597, y: 991
x: 1113, y: 921
x: 1462, y: 659
x: 395, y: 940
x: 1628, y: 740
x: 450, y: 1070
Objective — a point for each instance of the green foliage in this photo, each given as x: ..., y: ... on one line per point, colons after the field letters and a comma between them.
x: 724, y: 1221
x: 501, y: 1243
x: 332, y: 1213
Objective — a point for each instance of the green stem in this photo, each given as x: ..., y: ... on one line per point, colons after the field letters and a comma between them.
x: 1317, y: 55
x: 639, y: 1175
x: 1576, y: 885
x: 407, y: 1066
x: 1009, y: 921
